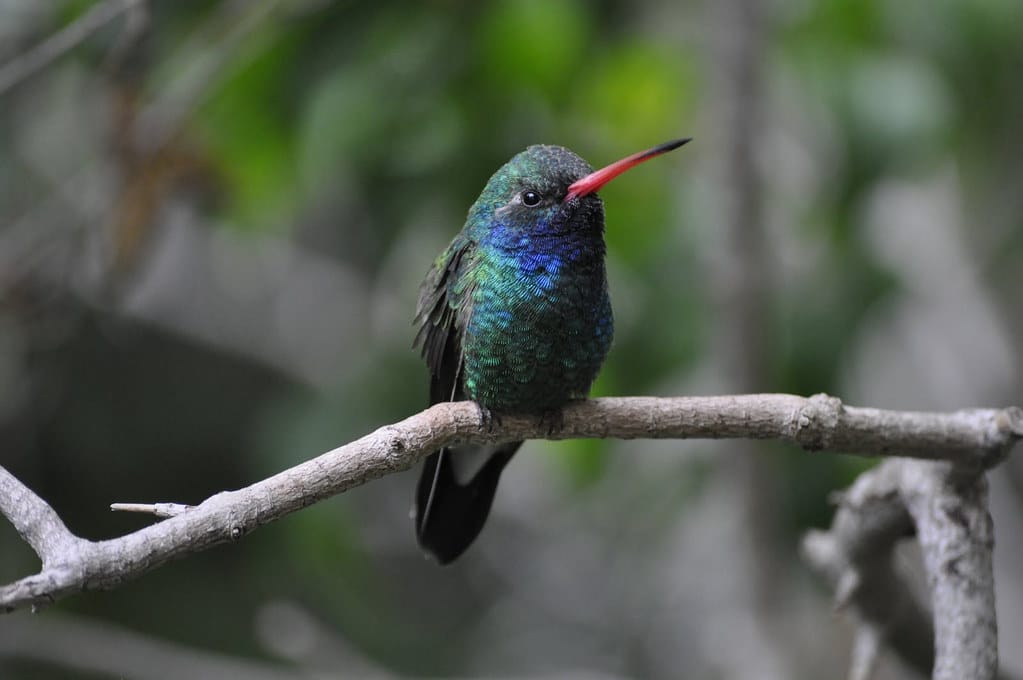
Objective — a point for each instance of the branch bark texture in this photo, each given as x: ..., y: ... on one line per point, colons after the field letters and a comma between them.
x: 946, y: 508
x: 956, y: 535
x: 968, y: 442
x: 857, y: 556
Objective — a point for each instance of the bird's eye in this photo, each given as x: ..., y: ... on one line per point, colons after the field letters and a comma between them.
x: 531, y: 198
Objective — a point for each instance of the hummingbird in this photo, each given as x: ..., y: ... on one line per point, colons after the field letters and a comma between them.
x: 514, y: 315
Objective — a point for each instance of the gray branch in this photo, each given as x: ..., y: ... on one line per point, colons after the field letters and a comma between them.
x: 950, y: 511
x: 956, y: 535
x: 857, y: 557
x: 99, y: 649
x: 946, y: 507
x: 35, y: 521
x: 62, y: 42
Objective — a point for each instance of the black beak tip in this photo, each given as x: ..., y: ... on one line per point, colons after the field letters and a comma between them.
x: 672, y: 145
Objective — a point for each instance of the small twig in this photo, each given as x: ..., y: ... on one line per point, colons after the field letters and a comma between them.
x: 136, y: 25
x: 162, y: 119
x: 866, y: 653
x: 37, y: 58
x: 162, y: 510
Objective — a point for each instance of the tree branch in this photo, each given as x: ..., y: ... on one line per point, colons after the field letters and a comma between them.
x: 162, y: 119
x: 61, y: 42
x: 857, y: 556
x: 947, y: 509
x: 955, y: 532
x: 36, y: 522
x: 96, y: 648
x: 972, y: 439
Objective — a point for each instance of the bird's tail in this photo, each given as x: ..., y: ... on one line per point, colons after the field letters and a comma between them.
x: 456, y: 489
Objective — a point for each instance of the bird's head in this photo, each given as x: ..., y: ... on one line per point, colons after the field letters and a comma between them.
x: 549, y: 190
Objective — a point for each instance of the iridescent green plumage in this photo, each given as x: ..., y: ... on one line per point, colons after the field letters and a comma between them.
x: 514, y: 315
x: 526, y: 289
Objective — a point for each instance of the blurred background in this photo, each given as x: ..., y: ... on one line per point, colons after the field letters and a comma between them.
x: 214, y: 218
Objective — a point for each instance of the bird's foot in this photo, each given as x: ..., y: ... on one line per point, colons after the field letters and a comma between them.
x: 488, y: 419
x: 553, y: 419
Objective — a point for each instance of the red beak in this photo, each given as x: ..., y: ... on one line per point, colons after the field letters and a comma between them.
x: 595, y: 180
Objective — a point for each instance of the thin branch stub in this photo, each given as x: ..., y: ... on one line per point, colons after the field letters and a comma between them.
x: 162, y: 510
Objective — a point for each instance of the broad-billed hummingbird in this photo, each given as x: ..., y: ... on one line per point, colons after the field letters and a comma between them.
x: 514, y: 315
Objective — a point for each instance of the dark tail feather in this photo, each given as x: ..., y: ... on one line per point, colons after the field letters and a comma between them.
x: 449, y: 515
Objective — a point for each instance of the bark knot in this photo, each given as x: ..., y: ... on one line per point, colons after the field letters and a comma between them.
x: 816, y: 420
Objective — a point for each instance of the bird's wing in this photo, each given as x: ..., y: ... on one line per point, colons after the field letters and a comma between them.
x: 439, y: 336
x: 457, y: 485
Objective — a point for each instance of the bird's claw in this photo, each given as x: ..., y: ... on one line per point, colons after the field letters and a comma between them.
x: 488, y: 419
x: 553, y: 419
